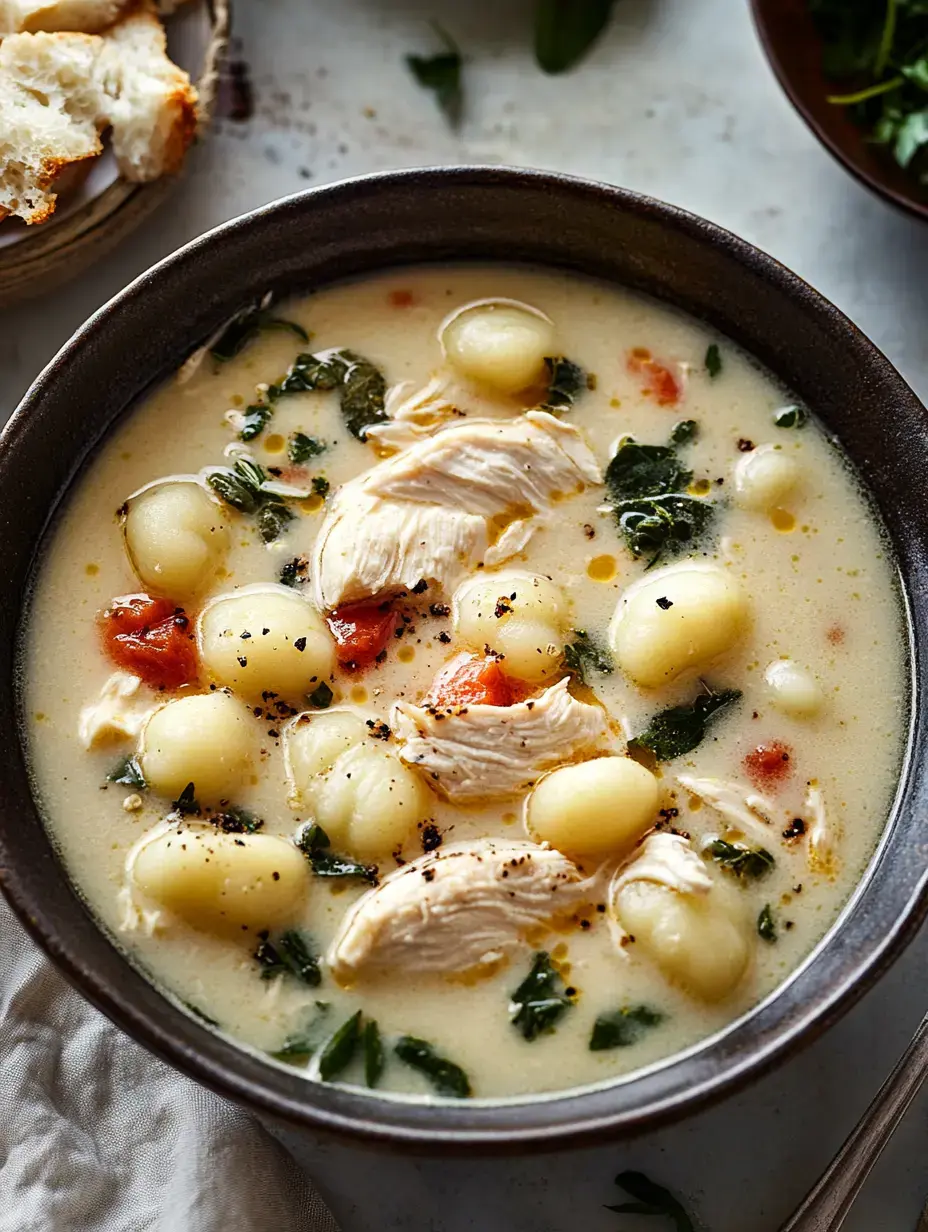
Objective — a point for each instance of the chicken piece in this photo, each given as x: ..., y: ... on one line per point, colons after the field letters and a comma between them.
x: 480, y: 752
x: 457, y: 908
x: 667, y: 860
x: 120, y: 713
x: 743, y: 809
x: 473, y: 492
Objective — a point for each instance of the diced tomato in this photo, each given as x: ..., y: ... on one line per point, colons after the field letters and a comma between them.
x: 660, y: 382
x: 361, y: 631
x: 467, y: 681
x: 153, y: 638
x: 769, y: 764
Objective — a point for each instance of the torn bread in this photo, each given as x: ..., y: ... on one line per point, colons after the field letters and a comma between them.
x: 85, y: 16
x: 59, y: 92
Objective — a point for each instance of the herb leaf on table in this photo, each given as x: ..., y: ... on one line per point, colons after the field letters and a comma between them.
x: 565, y: 30
x: 441, y: 74
x: 540, y: 999
x: 651, y: 1199
x: 680, y: 729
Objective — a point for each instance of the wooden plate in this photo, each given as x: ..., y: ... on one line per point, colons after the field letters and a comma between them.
x: 103, y: 210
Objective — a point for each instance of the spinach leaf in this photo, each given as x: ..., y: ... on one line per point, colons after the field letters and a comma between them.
x: 235, y: 820
x: 651, y: 1199
x: 242, y: 487
x: 791, y: 417
x: 256, y: 418
x: 584, y: 655
x: 301, y: 448
x: 565, y: 30
x: 441, y: 74
x: 713, y: 360
x: 290, y: 952
x: 742, y: 862
x: 314, y: 843
x: 273, y: 517
x: 645, y: 470
x: 374, y: 1059
x: 659, y: 525
x: 246, y: 325
x: 565, y: 380
x: 338, y: 1051
x: 128, y: 772
x: 680, y: 729
x: 187, y: 801
x: 446, y: 1077
x: 320, y: 486
x: 362, y: 387
x: 236, y: 488
x: 540, y: 999
x: 321, y: 697
x: 684, y: 432
x: 766, y: 925
x: 624, y: 1027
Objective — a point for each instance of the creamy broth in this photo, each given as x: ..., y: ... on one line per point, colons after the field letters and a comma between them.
x: 809, y: 564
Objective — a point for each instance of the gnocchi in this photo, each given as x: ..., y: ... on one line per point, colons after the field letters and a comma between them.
x: 223, y: 883
x: 265, y: 639
x: 676, y: 618
x: 207, y: 739
x: 498, y: 343
x: 793, y: 689
x: 176, y: 536
x: 369, y: 802
x: 519, y: 616
x: 594, y: 808
x: 312, y: 744
x: 765, y: 477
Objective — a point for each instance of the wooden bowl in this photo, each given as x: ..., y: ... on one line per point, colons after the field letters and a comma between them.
x: 104, y: 209
x: 794, y: 49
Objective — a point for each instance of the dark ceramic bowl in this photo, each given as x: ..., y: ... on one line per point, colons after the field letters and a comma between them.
x: 794, y: 49
x: 459, y: 214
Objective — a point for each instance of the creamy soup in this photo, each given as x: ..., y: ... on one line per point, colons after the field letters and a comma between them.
x: 481, y: 682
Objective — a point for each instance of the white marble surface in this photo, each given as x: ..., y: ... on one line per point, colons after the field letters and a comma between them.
x: 677, y: 101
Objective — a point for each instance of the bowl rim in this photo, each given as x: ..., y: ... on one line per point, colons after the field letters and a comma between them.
x: 559, y: 1119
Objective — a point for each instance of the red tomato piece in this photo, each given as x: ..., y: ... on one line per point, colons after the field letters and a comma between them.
x: 152, y: 638
x: 660, y: 382
x: 361, y: 631
x: 769, y: 764
x: 469, y: 681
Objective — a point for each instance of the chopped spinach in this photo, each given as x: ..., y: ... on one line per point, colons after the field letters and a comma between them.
x: 540, y: 999
x: 651, y: 1199
x: 624, y: 1027
x: 314, y: 843
x: 246, y: 325
x: 128, y: 772
x: 766, y: 925
x: 272, y: 520
x: 255, y: 420
x: 713, y: 360
x: 290, y: 952
x: 301, y: 1046
x: 565, y: 30
x: 362, y: 386
x: 243, y: 487
x: 680, y: 729
x: 742, y: 862
x: 645, y: 470
x: 684, y: 432
x: 235, y: 820
x: 441, y: 74
x: 187, y: 801
x: 791, y: 417
x: 374, y: 1059
x: 446, y: 1077
x: 340, y: 1048
x: 565, y: 380
x: 584, y: 655
x: 321, y: 697
x: 301, y: 448
x: 320, y: 486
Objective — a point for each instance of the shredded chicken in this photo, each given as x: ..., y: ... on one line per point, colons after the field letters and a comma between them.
x: 487, y: 752
x: 822, y: 844
x: 668, y: 860
x: 457, y: 908
x: 413, y: 414
x: 743, y: 809
x: 119, y: 713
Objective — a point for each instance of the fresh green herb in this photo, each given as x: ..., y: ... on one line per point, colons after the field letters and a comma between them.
x: 339, y: 1049
x: 246, y: 325
x: 321, y: 697
x: 288, y: 953
x: 584, y: 655
x: 272, y: 520
x: 651, y: 1199
x: 565, y: 30
x: 743, y: 862
x: 362, y: 387
x: 441, y: 74
x: 679, y: 730
x: 129, y: 773
x: 243, y: 487
x: 766, y: 925
x: 198, y: 1013
x: 236, y: 820
x: 187, y: 802
x: 565, y: 380
x: 321, y: 486
x: 881, y: 50
x: 622, y: 1028
x: 791, y: 417
x: 294, y: 572
x: 540, y: 999
x: 645, y: 470
x: 255, y: 420
x: 301, y: 1046
x: 301, y: 448
x: 236, y: 488
x: 372, y: 1046
x: 684, y: 432
x: 713, y: 360
x: 314, y: 843
x: 446, y: 1077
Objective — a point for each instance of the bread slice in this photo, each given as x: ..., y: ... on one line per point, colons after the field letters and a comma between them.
x: 87, y: 16
x: 59, y: 92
